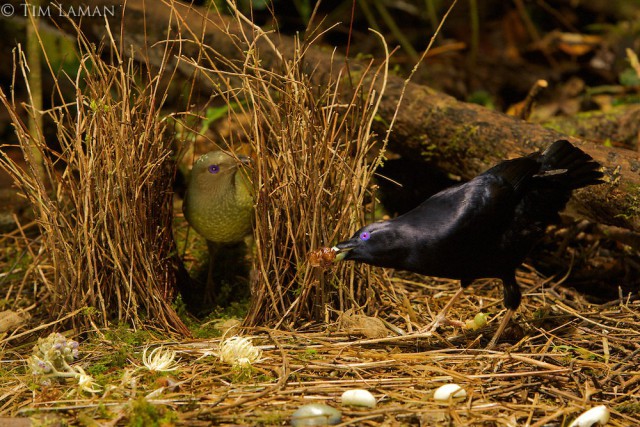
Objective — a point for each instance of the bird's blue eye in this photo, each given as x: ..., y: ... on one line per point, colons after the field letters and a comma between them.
x: 365, y: 235
x: 214, y: 168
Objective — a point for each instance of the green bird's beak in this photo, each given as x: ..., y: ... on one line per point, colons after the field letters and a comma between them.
x: 245, y: 160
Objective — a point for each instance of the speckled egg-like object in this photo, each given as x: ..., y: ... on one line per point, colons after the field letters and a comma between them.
x: 316, y: 414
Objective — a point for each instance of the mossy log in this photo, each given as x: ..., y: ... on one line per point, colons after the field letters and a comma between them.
x: 457, y: 137
x: 618, y: 126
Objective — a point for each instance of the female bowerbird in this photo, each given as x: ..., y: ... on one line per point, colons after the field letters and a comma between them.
x: 218, y: 204
x: 483, y: 228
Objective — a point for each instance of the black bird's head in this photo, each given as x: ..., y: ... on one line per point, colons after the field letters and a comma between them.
x: 379, y: 244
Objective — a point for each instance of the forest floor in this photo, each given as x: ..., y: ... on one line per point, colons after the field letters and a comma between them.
x: 562, y: 356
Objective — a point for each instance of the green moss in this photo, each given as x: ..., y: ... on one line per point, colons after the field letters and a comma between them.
x: 482, y: 97
x: 633, y: 190
x: 97, y: 369
x: 87, y: 419
x: 265, y: 378
x: 565, y: 127
x: 580, y: 352
x: 571, y: 126
x: 309, y: 354
x: 428, y: 150
x: 89, y: 311
x: 102, y: 411
x: 124, y: 342
x: 48, y: 421
x: 632, y: 203
x: 145, y: 414
x: 180, y: 308
x: 207, y: 330
x: 242, y: 374
x: 459, y: 141
x: 628, y: 408
x: 268, y: 418
x: 108, y: 369
x: 123, y: 334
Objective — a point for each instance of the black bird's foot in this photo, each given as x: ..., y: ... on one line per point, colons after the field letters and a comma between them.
x: 503, y: 324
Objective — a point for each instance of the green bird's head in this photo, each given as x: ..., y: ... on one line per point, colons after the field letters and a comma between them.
x: 218, y: 169
x: 219, y: 202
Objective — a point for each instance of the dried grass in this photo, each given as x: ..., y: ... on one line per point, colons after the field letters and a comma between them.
x: 104, y: 207
x: 315, y: 156
x: 573, y: 355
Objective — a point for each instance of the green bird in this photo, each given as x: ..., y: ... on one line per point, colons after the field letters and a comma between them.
x: 218, y: 204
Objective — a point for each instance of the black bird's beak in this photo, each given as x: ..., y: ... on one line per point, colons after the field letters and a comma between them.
x: 342, y: 249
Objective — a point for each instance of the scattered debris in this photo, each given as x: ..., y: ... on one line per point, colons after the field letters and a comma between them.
x: 11, y: 320
x: 322, y: 257
x: 359, y: 324
x: 478, y: 321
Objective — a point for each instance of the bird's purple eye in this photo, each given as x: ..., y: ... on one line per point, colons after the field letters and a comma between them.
x: 365, y: 235
x: 214, y: 168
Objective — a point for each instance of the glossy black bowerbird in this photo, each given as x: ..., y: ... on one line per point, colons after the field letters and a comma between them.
x: 483, y: 228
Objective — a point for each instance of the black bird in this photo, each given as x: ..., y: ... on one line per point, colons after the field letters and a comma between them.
x: 483, y: 228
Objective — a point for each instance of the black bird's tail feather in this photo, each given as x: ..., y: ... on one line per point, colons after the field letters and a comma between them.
x: 562, y: 168
x: 568, y: 165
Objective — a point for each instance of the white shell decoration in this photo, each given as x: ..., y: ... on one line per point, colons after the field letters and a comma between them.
x: 316, y: 414
x: 596, y: 416
x: 449, y: 391
x: 358, y: 397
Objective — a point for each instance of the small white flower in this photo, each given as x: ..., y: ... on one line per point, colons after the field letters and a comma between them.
x: 86, y: 382
x: 243, y: 361
x: 239, y: 351
x: 159, y: 359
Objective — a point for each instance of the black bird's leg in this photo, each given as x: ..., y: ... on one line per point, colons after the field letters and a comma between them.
x: 512, y: 297
x: 441, y: 318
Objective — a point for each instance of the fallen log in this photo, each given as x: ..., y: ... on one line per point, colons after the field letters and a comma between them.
x: 460, y: 138
x: 618, y: 126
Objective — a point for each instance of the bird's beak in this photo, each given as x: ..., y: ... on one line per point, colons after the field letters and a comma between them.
x: 342, y: 249
x: 245, y: 160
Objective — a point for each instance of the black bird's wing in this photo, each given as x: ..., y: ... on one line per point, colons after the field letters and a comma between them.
x: 459, y: 232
